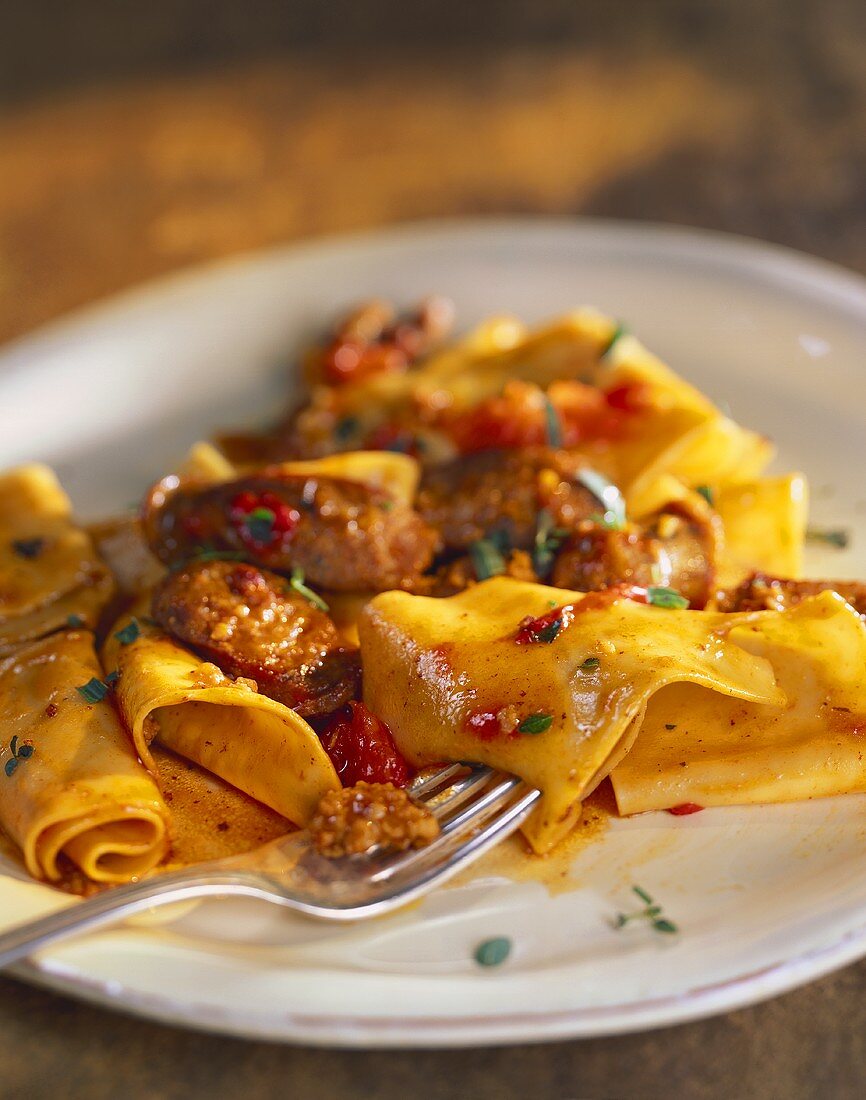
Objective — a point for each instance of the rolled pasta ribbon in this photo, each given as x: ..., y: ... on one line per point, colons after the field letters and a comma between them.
x: 49, y: 569
x: 70, y: 783
x: 258, y: 745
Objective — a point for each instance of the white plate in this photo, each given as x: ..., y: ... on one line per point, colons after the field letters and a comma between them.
x: 766, y: 898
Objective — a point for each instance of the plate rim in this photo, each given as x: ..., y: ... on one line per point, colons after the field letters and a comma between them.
x: 778, y: 265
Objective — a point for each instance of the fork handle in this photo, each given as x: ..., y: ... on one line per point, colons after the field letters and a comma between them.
x: 114, y: 905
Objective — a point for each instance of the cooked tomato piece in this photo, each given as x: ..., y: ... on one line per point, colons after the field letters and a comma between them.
x: 362, y: 748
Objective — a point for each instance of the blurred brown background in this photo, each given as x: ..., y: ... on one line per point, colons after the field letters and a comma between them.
x: 137, y: 138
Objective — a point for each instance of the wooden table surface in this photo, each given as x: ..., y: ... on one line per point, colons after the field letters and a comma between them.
x: 751, y: 122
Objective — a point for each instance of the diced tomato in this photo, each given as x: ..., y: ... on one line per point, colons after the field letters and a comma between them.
x: 484, y: 724
x: 685, y: 808
x: 361, y: 747
x: 542, y: 629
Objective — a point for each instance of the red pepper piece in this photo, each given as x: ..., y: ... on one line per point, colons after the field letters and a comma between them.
x: 685, y: 808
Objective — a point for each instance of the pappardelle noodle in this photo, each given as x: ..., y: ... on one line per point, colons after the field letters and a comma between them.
x: 534, y: 548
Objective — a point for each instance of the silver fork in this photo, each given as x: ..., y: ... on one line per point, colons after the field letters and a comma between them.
x: 476, y: 808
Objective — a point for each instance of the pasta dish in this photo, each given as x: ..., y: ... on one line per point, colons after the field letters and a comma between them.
x: 533, y: 548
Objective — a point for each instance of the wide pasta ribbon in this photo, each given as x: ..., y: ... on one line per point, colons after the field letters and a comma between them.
x: 70, y: 783
x: 49, y: 570
x: 695, y: 747
x: 165, y: 691
x: 452, y: 682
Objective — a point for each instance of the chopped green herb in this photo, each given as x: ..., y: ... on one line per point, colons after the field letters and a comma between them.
x: 28, y: 548
x: 666, y: 597
x: 590, y: 664
x: 260, y: 524
x: 609, y: 520
x: 548, y: 633
x: 548, y: 540
x: 112, y: 678
x: 297, y: 582
x: 129, y: 633
x: 75, y: 621
x: 535, y: 723
x: 553, y: 422
x: 652, y: 912
x: 831, y: 536
x: 19, y: 751
x: 210, y: 553
x: 94, y: 691
x: 619, y: 331
x: 707, y: 493
x: 608, y: 495
x: 487, y: 559
x: 346, y: 427
x: 493, y: 952
x: 670, y: 725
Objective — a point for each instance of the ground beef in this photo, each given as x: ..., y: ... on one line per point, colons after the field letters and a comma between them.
x: 761, y: 592
x: 503, y: 491
x: 676, y: 550
x: 356, y: 819
x: 251, y: 625
x: 343, y: 535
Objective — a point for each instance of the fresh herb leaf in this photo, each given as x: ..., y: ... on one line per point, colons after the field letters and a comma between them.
x: 18, y: 751
x: 297, y: 582
x: 548, y: 633
x: 607, y: 494
x: 553, y: 423
x: 260, y: 524
x: 666, y: 597
x: 707, y: 493
x: 590, y: 664
x: 210, y: 553
x: 487, y: 559
x: 346, y: 427
x: 839, y: 537
x: 535, y: 723
x: 112, y: 678
x: 94, y: 691
x: 28, y: 548
x: 129, y: 633
x: 619, y: 331
x: 652, y: 913
x: 609, y: 520
x: 74, y: 621
x: 493, y: 952
x: 548, y: 540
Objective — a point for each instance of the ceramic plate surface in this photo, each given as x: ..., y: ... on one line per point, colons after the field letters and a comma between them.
x: 765, y: 897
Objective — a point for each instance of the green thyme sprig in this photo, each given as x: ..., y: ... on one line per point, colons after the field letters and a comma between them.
x: 297, y: 582
x: 651, y: 912
x: 548, y: 540
x: 839, y: 537
x: 20, y: 750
